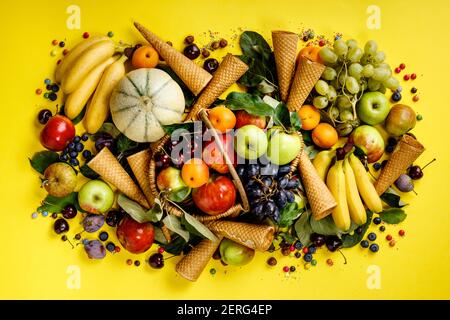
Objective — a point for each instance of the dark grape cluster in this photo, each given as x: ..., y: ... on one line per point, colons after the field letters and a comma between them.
x: 268, y: 194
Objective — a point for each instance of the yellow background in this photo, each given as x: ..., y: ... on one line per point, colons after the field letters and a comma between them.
x: 33, y: 261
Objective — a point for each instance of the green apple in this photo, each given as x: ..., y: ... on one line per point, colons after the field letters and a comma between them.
x: 234, y: 253
x: 60, y: 179
x: 373, y: 108
x: 283, y: 147
x: 96, y: 196
x: 251, y: 142
x: 170, y: 180
x: 400, y: 120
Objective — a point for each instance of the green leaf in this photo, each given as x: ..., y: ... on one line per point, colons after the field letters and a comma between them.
x: 307, y: 139
x: 288, y: 214
x: 53, y: 204
x: 392, y: 199
x: 303, y: 228
x: 88, y: 172
x: 170, y: 128
x: 325, y: 226
x: 42, y: 159
x: 79, y: 117
x: 179, y: 195
x: 159, y: 236
x: 196, y: 227
x: 125, y: 145
x: 286, y: 236
x: 253, y: 104
x: 281, y: 117
x: 393, y: 215
x: 296, y: 122
x: 137, y: 212
x: 255, y: 73
x: 109, y: 128
x: 176, y: 246
x: 350, y: 240
x: 173, y: 224
x: 254, y: 45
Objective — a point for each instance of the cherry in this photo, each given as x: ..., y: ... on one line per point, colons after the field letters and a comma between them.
x: 192, y: 51
x: 61, y: 226
x: 156, y: 261
x: 333, y: 243
x: 317, y: 240
x: 113, y: 217
x: 44, y: 115
x: 69, y: 211
x: 162, y: 160
x: 416, y: 172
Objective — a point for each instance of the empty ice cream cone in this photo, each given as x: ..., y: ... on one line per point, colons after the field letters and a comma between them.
x: 285, y: 51
x: 319, y: 197
x: 258, y: 237
x: 194, y: 76
x: 306, y: 75
x: 140, y: 165
x: 109, y: 168
x: 407, y: 151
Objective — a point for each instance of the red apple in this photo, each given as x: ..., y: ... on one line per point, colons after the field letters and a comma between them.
x: 216, y: 196
x: 213, y: 157
x: 57, y: 133
x: 369, y: 140
x: 134, y: 236
x: 243, y: 118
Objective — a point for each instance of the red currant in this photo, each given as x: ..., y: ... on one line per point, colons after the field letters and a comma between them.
x: 398, y: 70
x: 406, y: 77
x: 402, y: 66
x: 413, y: 76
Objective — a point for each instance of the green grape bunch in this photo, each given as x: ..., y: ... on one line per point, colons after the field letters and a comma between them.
x: 350, y: 71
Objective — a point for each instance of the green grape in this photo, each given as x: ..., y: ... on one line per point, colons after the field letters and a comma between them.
x: 391, y: 83
x: 370, y: 47
x: 381, y: 74
x: 331, y: 94
x: 321, y: 87
x: 384, y: 65
x: 342, y: 78
x: 373, y: 84
x: 333, y: 112
x: 329, y: 74
x: 335, y: 83
x: 340, y: 48
x: 368, y: 71
x: 379, y: 57
x: 355, y: 70
x: 352, y: 43
x: 382, y: 88
x: 365, y: 59
x: 343, y: 102
x: 352, y: 85
x: 320, y: 102
x: 327, y: 55
x: 346, y: 115
x: 355, y: 54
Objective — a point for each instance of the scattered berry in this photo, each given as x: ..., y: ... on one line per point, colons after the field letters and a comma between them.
x: 292, y: 269
x: 398, y: 70
x: 364, y: 244
x: 305, y: 38
x: 298, y: 245
x: 382, y: 228
x: 212, y: 271
x: 55, y: 42
x: 388, y: 237
x: 64, y: 238
x: 77, y: 236
x: 54, y: 87
x: 392, y: 243
x: 286, y: 269
x: 416, y: 98
x: 117, y: 249
x: 34, y: 215
x: 402, y: 66
x: 86, y: 35
x: 44, y: 213
x: 376, y: 166
x: 413, y: 76
x: 129, y: 262
x: 322, y: 42
x: 44, y: 115
x: 312, y: 249
x: 372, y: 236
x: 46, y: 95
x: 307, y: 257
x: 223, y: 43
x: 110, y: 34
x: 87, y: 154
x: 396, y: 96
x: 406, y: 77
x: 297, y: 255
x: 47, y: 81
x: 215, y: 45
x: 374, y: 247
x: 111, y: 247
x: 54, y: 215
x: 161, y: 250
x: 52, y: 96
x: 292, y: 248
x: 53, y: 53
x: 137, y: 263
x: 65, y: 52
x: 329, y: 262
x: 305, y: 250
x: 205, y: 53
x: 62, y: 44
x: 313, y: 262
x: 401, y: 233
x: 272, y: 261
x: 413, y: 90
x: 189, y: 39
x: 419, y: 117
x: 38, y: 91
x: 103, y: 236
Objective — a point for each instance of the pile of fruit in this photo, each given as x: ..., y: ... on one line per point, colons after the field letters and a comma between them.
x: 283, y: 164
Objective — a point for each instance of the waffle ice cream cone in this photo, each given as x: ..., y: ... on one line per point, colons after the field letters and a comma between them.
x: 140, y: 165
x: 192, y: 264
x: 109, y: 168
x: 285, y: 51
x: 258, y: 237
x: 407, y: 151
x: 195, y: 77
x: 229, y: 71
x: 306, y: 76
x: 319, y: 197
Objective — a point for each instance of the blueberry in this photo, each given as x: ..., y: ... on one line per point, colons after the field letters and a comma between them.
x: 396, y: 96
x: 392, y: 141
x: 377, y: 220
x: 111, y: 247
x: 312, y: 249
x: 389, y: 148
x: 63, y: 157
x: 382, y: 228
x: 377, y: 166
x: 85, y: 137
x: 71, y: 146
x: 52, y: 96
x: 79, y: 147
x: 364, y: 244
x: 73, y: 154
x: 87, y: 154
x: 74, y: 162
x: 77, y: 139
x: 55, y: 87
x: 95, y: 249
x: 374, y: 247
x: 103, y: 236
x: 298, y: 245
x: 372, y: 236
x: 307, y: 257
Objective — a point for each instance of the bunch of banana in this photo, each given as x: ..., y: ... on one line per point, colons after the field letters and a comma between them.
x: 350, y: 185
x: 89, y: 73
x: 322, y: 162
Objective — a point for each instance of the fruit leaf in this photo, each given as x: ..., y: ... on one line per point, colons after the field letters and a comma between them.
x: 170, y: 128
x: 286, y: 236
x: 88, y: 172
x: 393, y: 215
x: 53, y: 204
x: 288, y: 214
x: 196, y: 227
x: 311, y: 151
x: 307, y: 138
x: 253, y: 104
x: 303, y: 228
x: 254, y: 45
x: 137, y: 212
x: 176, y: 246
x: 325, y: 226
x: 159, y: 236
x: 109, y: 128
x: 255, y: 73
x: 173, y: 224
x: 296, y: 122
x: 125, y: 145
x: 42, y: 159
x: 281, y: 116
x: 351, y: 240
x: 180, y: 194
x: 392, y: 199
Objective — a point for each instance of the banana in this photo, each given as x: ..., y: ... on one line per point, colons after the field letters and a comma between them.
x: 78, y: 99
x: 88, y: 60
x: 74, y: 54
x: 98, y: 108
x: 365, y: 187
x: 355, y: 205
x: 322, y: 162
x: 336, y: 184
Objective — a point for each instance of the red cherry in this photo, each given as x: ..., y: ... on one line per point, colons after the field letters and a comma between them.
x: 57, y: 133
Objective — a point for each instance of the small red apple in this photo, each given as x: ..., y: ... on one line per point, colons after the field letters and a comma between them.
x: 216, y: 196
x: 57, y: 133
x: 213, y: 157
x: 243, y: 118
x: 134, y: 236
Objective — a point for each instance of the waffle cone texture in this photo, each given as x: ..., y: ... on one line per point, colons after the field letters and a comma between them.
x: 285, y: 51
x: 140, y: 165
x: 407, y: 151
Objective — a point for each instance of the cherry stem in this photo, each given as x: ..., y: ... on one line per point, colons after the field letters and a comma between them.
x: 415, y: 192
x: 345, y: 259
x: 429, y: 163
